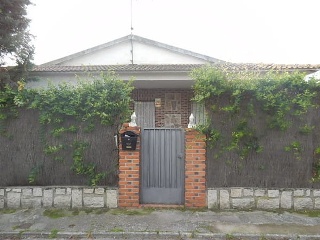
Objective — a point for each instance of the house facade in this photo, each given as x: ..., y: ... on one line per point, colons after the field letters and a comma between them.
x: 162, y: 82
x: 169, y: 164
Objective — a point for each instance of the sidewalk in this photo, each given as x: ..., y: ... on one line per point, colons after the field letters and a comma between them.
x: 156, y: 224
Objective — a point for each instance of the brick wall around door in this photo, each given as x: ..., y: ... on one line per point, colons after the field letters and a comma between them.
x: 175, y: 104
x: 129, y: 171
x: 195, y: 171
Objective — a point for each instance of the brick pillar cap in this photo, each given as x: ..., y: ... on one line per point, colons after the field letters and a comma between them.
x: 125, y: 127
x: 192, y: 130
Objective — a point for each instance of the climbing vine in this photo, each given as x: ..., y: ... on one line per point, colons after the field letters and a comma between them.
x: 316, y: 165
x: 244, y: 140
x: 237, y: 97
x: 66, y: 109
x: 10, y: 100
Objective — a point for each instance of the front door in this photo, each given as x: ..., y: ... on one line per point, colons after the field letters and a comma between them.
x: 145, y: 112
x: 162, y: 166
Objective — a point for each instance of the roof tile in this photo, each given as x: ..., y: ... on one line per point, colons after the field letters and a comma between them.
x: 173, y: 67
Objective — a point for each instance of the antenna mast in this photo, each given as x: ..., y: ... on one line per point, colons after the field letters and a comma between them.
x: 131, y: 36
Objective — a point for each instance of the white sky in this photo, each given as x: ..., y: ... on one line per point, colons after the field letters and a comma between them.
x: 250, y: 31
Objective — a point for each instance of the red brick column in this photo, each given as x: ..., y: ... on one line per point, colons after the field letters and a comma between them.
x: 195, y: 180
x: 129, y: 172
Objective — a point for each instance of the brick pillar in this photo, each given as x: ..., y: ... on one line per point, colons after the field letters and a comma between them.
x: 195, y: 180
x: 129, y: 172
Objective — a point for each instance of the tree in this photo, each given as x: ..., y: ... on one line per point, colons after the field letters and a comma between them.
x: 15, y: 40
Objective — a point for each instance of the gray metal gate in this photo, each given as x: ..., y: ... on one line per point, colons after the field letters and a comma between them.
x: 162, y: 166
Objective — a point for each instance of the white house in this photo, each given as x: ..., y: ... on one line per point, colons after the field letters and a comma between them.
x: 160, y: 72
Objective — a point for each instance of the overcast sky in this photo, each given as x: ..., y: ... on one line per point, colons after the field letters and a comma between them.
x: 250, y: 31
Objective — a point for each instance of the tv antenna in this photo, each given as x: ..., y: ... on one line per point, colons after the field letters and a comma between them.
x: 131, y: 38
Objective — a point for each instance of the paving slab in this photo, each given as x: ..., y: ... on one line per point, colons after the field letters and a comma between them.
x: 155, y: 223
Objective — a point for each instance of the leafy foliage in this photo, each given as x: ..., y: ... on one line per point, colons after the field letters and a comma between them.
x: 296, y: 148
x: 15, y: 41
x: 14, y: 24
x: 238, y: 96
x: 104, y: 100
x: 316, y: 165
x: 9, y: 101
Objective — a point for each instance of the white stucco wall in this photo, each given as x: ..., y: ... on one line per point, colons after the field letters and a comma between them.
x: 141, y: 80
x: 142, y: 54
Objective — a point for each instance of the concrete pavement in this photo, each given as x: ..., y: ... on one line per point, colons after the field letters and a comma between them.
x: 156, y: 224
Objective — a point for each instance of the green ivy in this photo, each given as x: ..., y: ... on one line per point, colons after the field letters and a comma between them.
x: 296, y: 148
x: 306, y: 129
x: 8, y: 106
x: 53, y: 149
x: 213, y: 135
x: 34, y: 174
x: 80, y: 167
x: 104, y: 99
x: 282, y: 97
x: 316, y: 166
x: 244, y: 140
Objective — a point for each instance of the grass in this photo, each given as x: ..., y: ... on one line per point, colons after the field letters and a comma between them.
x: 7, y: 211
x: 75, y: 212
x: 131, y: 212
x: 59, y: 213
x: 310, y: 213
x: 96, y: 210
x: 55, y: 213
x: 53, y: 233
x: 100, y: 211
x: 116, y: 229
x: 229, y: 236
x: 15, y: 227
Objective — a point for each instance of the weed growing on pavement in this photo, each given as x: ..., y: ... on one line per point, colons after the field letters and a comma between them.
x: 95, y: 211
x: 144, y: 211
x: 7, y: 211
x: 262, y: 237
x: 88, y: 210
x: 58, y: 213
x: 100, y: 211
x: 89, y: 234
x: 75, y: 212
x: 229, y: 236
x: 116, y: 229
x: 20, y: 233
x: 310, y: 213
x: 15, y: 227
x: 53, y: 233
x: 55, y: 213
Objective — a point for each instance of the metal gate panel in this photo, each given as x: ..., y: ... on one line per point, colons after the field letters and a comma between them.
x: 162, y: 166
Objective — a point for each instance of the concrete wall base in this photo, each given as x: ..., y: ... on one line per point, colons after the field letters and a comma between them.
x: 263, y: 199
x: 59, y: 197
x: 217, y: 198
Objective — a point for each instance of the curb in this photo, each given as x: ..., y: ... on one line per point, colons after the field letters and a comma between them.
x: 153, y: 235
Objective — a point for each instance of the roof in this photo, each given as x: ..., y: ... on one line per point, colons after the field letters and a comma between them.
x: 315, y: 75
x: 175, y: 67
x: 57, y: 66
x: 118, y: 68
x: 137, y: 39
